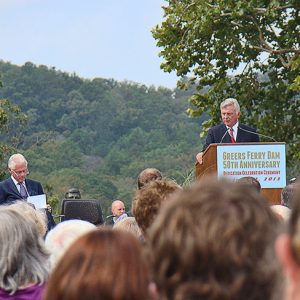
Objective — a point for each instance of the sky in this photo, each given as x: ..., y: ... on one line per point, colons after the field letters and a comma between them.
x: 92, y: 38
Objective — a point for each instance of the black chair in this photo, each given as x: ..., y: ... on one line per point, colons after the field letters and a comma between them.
x: 82, y: 209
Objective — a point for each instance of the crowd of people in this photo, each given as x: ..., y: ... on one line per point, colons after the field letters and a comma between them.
x: 215, y: 240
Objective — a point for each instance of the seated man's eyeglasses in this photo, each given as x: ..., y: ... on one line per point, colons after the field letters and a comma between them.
x: 18, y: 173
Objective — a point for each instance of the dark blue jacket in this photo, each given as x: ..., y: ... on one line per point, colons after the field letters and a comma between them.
x: 9, y: 194
x: 216, y: 133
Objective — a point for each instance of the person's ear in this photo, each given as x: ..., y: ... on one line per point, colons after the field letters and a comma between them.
x: 238, y: 114
x: 153, y: 291
x: 286, y: 258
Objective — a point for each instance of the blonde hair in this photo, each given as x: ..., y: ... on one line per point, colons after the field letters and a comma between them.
x: 38, y: 217
x: 282, y: 212
x: 129, y: 224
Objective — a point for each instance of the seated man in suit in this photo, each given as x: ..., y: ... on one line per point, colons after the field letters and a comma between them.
x: 18, y: 187
x: 230, y: 131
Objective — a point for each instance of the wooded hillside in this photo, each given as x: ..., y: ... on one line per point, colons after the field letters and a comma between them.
x: 97, y: 135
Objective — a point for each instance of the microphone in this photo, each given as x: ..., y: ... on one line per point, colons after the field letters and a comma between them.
x: 259, y: 134
x: 224, y: 135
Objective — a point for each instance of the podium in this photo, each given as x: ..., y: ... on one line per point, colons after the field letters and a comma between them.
x: 264, y: 161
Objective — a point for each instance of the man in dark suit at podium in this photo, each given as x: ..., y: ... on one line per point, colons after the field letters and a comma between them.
x: 18, y: 187
x: 230, y: 131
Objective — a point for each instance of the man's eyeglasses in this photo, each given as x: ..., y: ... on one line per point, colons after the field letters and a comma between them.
x: 19, y: 173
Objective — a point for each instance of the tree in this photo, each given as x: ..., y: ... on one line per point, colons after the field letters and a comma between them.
x: 245, y: 49
x: 11, y: 122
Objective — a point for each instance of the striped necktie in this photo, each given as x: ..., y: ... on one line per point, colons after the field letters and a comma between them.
x: 23, y: 191
x: 231, y: 135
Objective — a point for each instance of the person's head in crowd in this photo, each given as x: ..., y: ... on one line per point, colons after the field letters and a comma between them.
x: 213, y: 242
x: 282, y: 212
x: 37, y: 216
x: 148, y: 175
x: 73, y: 193
x: 129, y: 224
x: 103, y: 264
x: 59, y: 239
x: 251, y: 181
x: 230, y: 111
x: 287, y: 195
x: 23, y: 258
x: 18, y: 167
x: 147, y: 201
x: 117, y: 208
x: 288, y: 250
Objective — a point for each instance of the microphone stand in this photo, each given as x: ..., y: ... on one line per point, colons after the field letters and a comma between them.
x: 224, y: 135
x: 259, y: 134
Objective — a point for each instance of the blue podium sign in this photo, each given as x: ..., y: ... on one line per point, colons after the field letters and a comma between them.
x: 264, y: 162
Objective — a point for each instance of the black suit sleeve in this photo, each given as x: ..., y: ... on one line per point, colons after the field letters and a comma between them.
x: 40, y: 189
x: 2, y: 196
x: 209, y: 139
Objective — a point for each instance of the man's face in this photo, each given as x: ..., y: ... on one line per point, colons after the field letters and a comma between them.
x: 229, y: 115
x: 19, y: 172
x: 118, y: 209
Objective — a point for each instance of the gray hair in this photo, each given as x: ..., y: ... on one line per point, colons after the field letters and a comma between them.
x: 230, y: 101
x: 23, y: 258
x: 14, y: 159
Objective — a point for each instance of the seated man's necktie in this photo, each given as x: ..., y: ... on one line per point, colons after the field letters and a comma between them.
x: 23, y: 191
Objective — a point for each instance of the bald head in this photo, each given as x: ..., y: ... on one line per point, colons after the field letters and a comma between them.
x: 117, y: 208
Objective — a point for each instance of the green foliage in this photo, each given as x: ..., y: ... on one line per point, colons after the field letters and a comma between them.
x: 257, y: 42
x: 12, y: 121
x: 97, y: 135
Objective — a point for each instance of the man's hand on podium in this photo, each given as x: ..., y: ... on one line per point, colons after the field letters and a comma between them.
x: 199, y: 158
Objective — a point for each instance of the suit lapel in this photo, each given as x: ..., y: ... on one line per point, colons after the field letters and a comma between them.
x: 28, y: 187
x: 226, y: 138
x: 13, y: 187
x: 239, y: 134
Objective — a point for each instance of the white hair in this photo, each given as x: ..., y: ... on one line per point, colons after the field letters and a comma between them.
x: 59, y: 239
x: 230, y: 101
x: 15, y: 159
x: 281, y: 211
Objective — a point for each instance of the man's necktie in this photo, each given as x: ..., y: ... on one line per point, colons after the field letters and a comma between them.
x: 23, y: 191
x: 231, y: 135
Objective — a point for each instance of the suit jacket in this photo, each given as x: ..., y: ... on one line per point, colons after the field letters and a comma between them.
x: 217, y: 134
x: 9, y: 192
